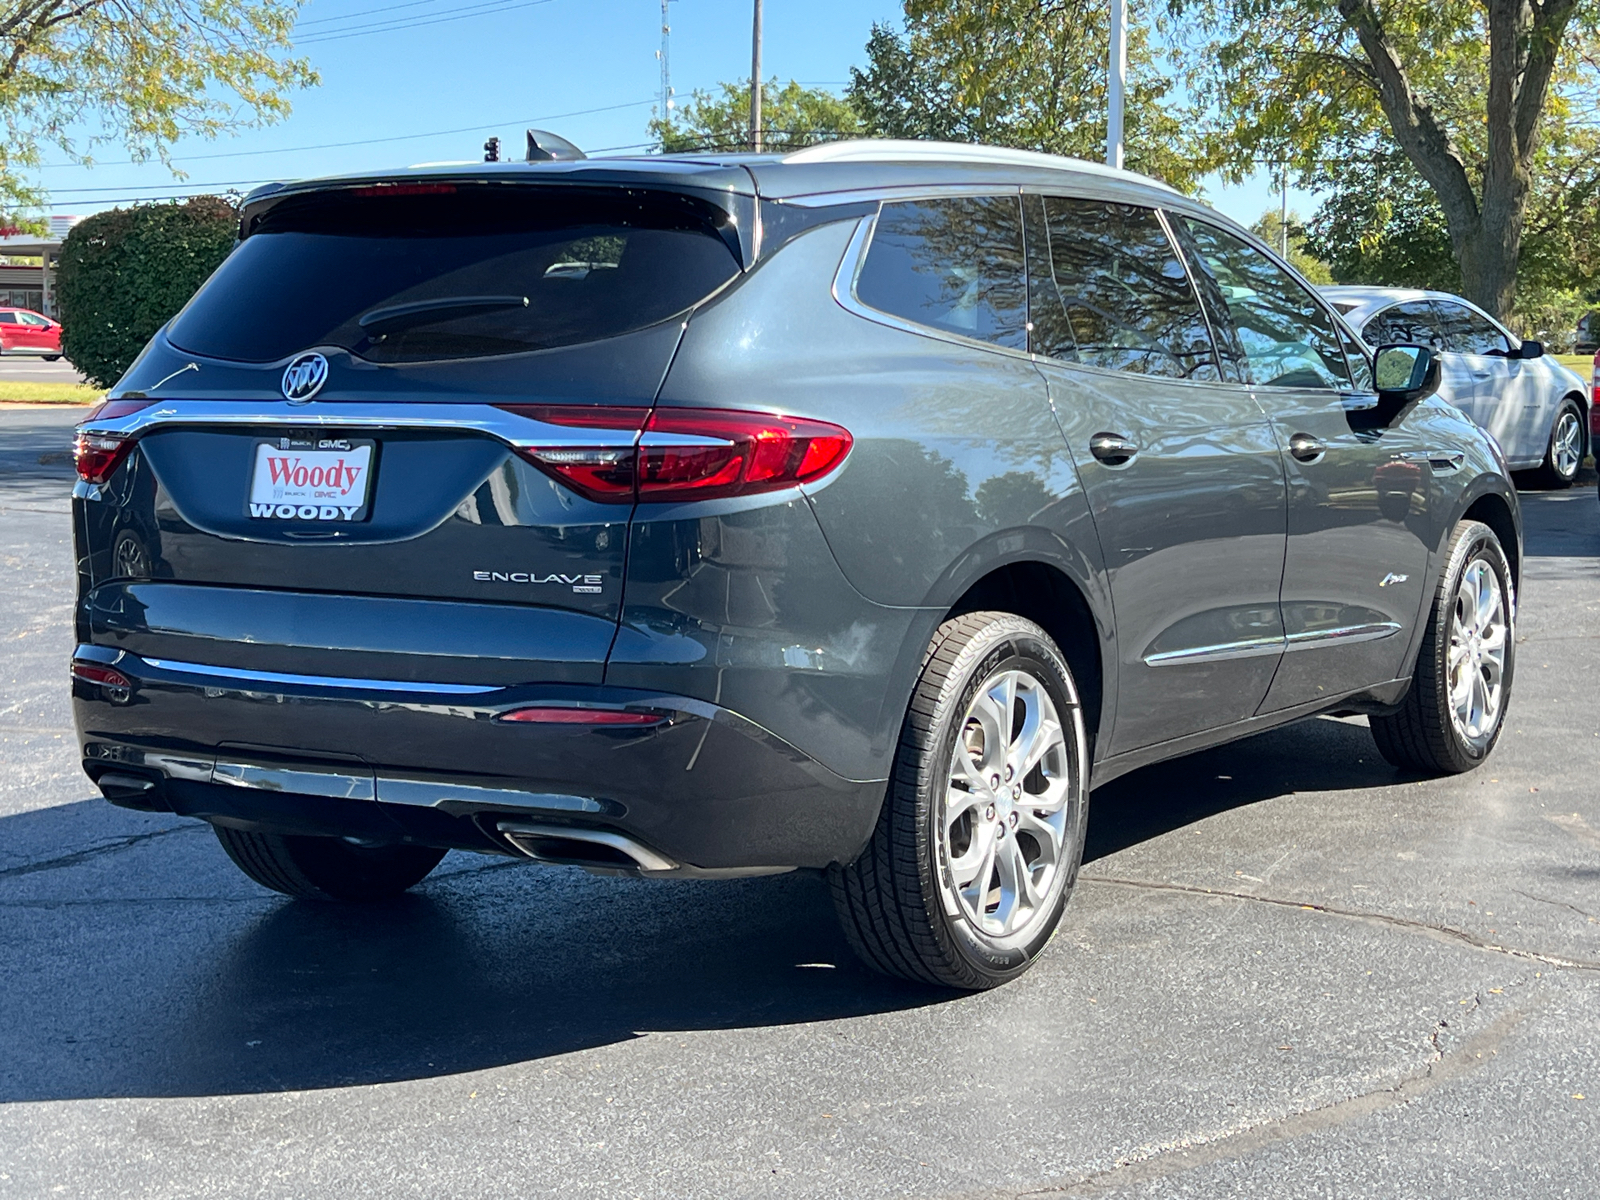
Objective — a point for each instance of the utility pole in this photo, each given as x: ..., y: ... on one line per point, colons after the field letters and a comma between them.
x: 664, y: 55
x: 1116, y: 82
x: 755, y: 80
x: 1283, y: 211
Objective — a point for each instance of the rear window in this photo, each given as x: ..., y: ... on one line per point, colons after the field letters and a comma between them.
x: 416, y: 273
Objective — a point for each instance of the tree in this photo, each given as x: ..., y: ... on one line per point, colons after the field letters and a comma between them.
x: 125, y: 273
x: 792, y: 117
x: 1461, y: 88
x: 141, y: 73
x: 1030, y: 74
x: 1269, y: 227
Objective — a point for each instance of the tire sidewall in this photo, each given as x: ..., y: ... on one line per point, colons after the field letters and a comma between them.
x: 1567, y: 406
x: 1001, y: 647
x: 1478, y: 543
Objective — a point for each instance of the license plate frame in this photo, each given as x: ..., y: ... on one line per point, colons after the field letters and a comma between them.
x: 297, y: 490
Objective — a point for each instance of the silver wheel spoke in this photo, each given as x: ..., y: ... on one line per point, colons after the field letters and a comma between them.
x: 1001, y: 844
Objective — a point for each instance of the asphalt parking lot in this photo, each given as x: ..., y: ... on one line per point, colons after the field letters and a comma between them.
x: 1288, y: 971
x: 34, y: 369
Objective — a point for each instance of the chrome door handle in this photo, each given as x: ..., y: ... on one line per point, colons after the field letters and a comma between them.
x: 1112, y: 449
x: 1306, y: 448
x: 1483, y: 374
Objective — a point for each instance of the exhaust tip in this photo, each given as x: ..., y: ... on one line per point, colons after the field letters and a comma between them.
x: 595, y: 848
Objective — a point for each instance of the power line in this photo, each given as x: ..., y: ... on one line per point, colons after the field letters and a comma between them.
x: 401, y: 137
x: 479, y: 10
x: 365, y: 12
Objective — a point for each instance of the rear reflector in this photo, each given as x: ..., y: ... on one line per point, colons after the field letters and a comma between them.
x: 684, y: 453
x: 93, y: 672
x: 583, y: 716
x: 98, y: 456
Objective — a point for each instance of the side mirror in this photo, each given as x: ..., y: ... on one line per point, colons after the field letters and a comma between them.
x: 1405, y: 373
x: 1531, y: 350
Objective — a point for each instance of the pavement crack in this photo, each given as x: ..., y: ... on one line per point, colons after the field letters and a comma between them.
x: 1443, y: 932
x: 81, y: 856
x: 1557, y: 904
x: 1160, y: 1162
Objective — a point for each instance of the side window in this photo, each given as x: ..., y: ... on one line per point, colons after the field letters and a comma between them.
x: 8, y: 318
x: 1289, y: 339
x: 1122, y: 298
x: 954, y: 264
x: 1467, y: 332
x: 1414, y: 323
x: 1230, y: 352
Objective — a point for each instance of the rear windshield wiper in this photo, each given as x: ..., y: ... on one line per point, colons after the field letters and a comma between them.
x: 421, y: 312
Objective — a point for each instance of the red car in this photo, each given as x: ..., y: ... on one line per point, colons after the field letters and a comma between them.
x: 25, y: 332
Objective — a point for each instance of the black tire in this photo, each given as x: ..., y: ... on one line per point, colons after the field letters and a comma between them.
x: 52, y: 358
x: 900, y: 901
x: 322, y: 868
x: 1559, y: 469
x: 1425, y: 735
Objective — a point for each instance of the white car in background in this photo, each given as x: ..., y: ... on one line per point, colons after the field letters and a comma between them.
x: 1536, y: 408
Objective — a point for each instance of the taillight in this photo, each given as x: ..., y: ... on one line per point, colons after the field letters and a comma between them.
x: 683, y: 453
x: 1594, y: 397
x: 118, y: 687
x: 583, y: 716
x: 111, y: 410
x: 98, y: 455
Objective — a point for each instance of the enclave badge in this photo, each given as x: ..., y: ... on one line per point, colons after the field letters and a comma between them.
x: 303, y: 378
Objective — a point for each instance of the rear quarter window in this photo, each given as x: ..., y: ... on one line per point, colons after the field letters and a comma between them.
x: 441, y: 272
x: 954, y: 264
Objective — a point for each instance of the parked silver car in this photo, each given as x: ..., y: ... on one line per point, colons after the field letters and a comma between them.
x: 1536, y: 408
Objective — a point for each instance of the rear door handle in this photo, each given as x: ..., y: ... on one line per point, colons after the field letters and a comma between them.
x: 1112, y: 449
x: 1306, y: 448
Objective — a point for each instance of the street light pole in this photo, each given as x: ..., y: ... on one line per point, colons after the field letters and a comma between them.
x: 1116, y: 83
x: 755, y: 80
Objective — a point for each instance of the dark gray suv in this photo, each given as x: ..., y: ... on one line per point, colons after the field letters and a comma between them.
x: 851, y: 510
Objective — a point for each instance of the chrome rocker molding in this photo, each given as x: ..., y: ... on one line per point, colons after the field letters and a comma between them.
x: 1250, y: 647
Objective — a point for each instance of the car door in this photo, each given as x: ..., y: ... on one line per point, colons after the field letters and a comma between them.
x: 1510, y: 401
x: 1180, y: 465
x: 1356, y: 563
x: 33, y: 332
x: 10, y: 332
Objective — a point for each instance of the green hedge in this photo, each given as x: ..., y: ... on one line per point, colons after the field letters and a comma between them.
x: 125, y: 273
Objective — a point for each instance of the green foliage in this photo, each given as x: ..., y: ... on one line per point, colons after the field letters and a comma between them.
x: 125, y: 273
x: 142, y: 73
x: 1269, y: 227
x: 1031, y: 75
x: 1422, y: 117
x: 792, y: 117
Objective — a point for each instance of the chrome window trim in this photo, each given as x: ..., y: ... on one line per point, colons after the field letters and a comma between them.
x: 855, y: 257
x: 890, y: 192
x: 1251, y: 647
x: 243, y: 677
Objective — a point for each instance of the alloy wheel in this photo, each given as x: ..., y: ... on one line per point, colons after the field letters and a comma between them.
x: 1479, y: 634
x: 1003, y: 821
x: 1566, y: 444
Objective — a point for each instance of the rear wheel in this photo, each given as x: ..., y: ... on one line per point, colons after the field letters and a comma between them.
x: 52, y: 357
x: 1564, y: 453
x: 323, y: 868
x: 1451, y: 718
x: 981, y: 834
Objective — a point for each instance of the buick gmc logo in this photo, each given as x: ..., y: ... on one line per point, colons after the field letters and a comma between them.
x: 304, y: 377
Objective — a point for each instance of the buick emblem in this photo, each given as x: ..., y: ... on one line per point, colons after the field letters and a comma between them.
x: 303, y: 378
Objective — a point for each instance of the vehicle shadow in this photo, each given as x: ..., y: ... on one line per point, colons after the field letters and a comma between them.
x: 150, y: 968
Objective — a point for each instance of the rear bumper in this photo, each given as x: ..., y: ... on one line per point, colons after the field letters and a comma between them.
x: 703, y: 791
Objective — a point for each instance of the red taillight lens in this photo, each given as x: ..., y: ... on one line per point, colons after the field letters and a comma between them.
x: 1594, y: 397
x: 111, y: 410
x: 93, y: 672
x: 582, y: 716
x: 98, y: 455
x: 684, y: 453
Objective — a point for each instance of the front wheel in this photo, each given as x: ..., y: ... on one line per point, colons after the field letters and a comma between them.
x: 325, y: 868
x: 52, y: 358
x: 980, y: 836
x: 1564, y: 453
x: 1452, y: 717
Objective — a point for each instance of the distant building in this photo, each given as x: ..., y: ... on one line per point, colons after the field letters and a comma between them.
x: 28, y: 286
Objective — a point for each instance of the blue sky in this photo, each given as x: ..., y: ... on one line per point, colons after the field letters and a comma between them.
x: 586, y: 69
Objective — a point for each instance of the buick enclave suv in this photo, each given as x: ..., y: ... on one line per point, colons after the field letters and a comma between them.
x: 851, y: 510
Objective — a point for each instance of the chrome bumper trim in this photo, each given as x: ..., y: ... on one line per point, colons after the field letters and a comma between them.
x: 241, y: 676
x: 335, y: 786
x: 421, y: 793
